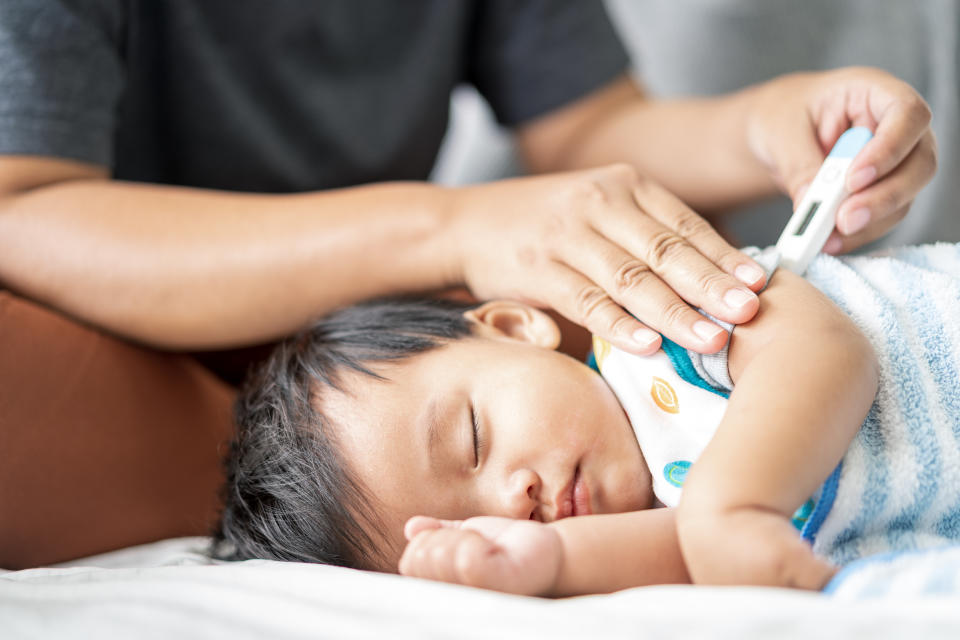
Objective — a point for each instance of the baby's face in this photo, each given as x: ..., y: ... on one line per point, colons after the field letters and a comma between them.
x: 488, y: 425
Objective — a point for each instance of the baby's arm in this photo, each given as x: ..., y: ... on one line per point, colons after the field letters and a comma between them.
x: 573, y: 556
x: 805, y: 379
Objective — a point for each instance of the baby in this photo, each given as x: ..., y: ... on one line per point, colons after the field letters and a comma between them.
x: 454, y: 442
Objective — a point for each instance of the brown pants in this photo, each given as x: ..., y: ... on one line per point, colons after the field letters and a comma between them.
x: 103, y: 444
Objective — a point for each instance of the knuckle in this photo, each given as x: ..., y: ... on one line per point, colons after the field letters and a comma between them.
x: 437, y: 554
x: 713, y: 281
x: 893, y: 199
x: 630, y: 275
x: 675, y: 312
x: 663, y: 247
x: 589, y: 191
x: 693, y: 226
x: 419, y: 556
x: 590, y: 301
x: 467, y: 566
x: 929, y: 158
x: 554, y: 224
x: 919, y: 108
x: 622, y: 171
x: 621, y: 324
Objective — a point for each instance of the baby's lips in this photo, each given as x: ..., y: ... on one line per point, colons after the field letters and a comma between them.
x: 581, y: 496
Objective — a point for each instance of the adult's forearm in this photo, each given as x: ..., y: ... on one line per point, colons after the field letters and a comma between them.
x: 698, y: 148
x: 188, y: 268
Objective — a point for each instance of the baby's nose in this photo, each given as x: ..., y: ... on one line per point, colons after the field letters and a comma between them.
x: 521, y: 494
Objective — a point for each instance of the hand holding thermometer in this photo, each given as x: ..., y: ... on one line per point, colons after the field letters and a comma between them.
x: 814, y: 219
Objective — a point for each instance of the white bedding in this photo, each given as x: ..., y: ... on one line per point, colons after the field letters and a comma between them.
x: 169, y: 590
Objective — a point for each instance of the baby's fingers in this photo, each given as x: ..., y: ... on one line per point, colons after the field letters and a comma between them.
x: 416, y: 524
x: 447, y: 555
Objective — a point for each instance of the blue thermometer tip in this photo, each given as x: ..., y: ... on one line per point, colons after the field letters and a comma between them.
x: 850, y: 143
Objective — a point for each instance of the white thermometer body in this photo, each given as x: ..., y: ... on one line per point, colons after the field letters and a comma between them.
x: 814, y: 219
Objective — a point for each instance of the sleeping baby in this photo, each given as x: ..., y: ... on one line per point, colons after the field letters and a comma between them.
x: 454, y: 442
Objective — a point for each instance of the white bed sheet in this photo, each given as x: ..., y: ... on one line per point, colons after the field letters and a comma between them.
x: 170, y: 590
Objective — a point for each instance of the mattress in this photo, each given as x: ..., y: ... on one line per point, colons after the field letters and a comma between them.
x: 170, y: 589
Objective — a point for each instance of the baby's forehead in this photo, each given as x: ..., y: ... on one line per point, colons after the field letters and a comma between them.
x: 355, y: 434
x: 372, y: 422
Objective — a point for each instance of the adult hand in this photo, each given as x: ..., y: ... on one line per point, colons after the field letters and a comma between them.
x: 609, y: 249
x: 796, y: 119
x: 502, y: 554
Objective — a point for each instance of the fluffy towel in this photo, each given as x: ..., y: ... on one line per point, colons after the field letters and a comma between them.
x: 908, y: 574
x: 898, y: 488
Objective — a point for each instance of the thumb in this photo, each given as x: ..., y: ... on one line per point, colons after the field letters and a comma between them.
x: 416, y: 524
x: 796, y: 157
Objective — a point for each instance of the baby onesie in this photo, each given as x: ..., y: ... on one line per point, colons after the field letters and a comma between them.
x: 675, y: 400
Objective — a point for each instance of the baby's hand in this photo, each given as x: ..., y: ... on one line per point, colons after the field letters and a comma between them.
x: 749, y: 546
x: 514, y: 556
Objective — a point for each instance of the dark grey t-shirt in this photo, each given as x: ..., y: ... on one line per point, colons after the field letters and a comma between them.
x: 282, y: 95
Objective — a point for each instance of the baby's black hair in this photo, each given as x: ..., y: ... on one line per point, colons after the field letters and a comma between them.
x: 289, y: 495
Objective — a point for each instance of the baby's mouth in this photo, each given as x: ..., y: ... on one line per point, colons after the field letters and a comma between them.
x: 580, y: 495
x: 574, y: 500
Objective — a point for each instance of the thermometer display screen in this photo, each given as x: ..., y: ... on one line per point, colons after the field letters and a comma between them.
x: 807, y: 218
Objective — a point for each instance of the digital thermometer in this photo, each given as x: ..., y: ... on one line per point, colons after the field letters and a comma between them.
x: 814, y: 219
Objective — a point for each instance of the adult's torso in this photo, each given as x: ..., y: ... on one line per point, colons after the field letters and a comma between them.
x: 285, y: 96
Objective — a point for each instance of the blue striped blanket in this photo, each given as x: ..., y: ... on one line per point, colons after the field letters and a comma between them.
x: 897, y: 491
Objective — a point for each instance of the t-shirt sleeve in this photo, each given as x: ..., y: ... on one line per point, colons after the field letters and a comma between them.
x: 60, y: 77
x: 529, y: 57
x: 713, y: 368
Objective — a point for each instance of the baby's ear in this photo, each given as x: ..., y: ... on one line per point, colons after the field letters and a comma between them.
x: 517, y: 321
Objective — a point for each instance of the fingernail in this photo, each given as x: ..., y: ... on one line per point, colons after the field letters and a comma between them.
x: 644, y: 338
x: 737, y: 298
x: 801, y: 191
x: 748, y: 274
x: 706, y: 331
x: 861, y: 178
x: 833, y: 245
x: 855, y: 221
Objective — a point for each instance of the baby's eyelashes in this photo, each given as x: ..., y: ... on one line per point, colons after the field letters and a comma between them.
x: 478, y: 441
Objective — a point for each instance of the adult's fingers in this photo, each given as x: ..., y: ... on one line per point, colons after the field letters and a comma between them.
x: 838, y: 244
x: 633, y: 285
x: 588, y: 304
x: 664, y: 207
x: 884, y: 198
x: 903, y: 120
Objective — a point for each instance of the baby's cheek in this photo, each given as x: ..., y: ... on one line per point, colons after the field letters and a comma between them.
x: 631, y: 490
